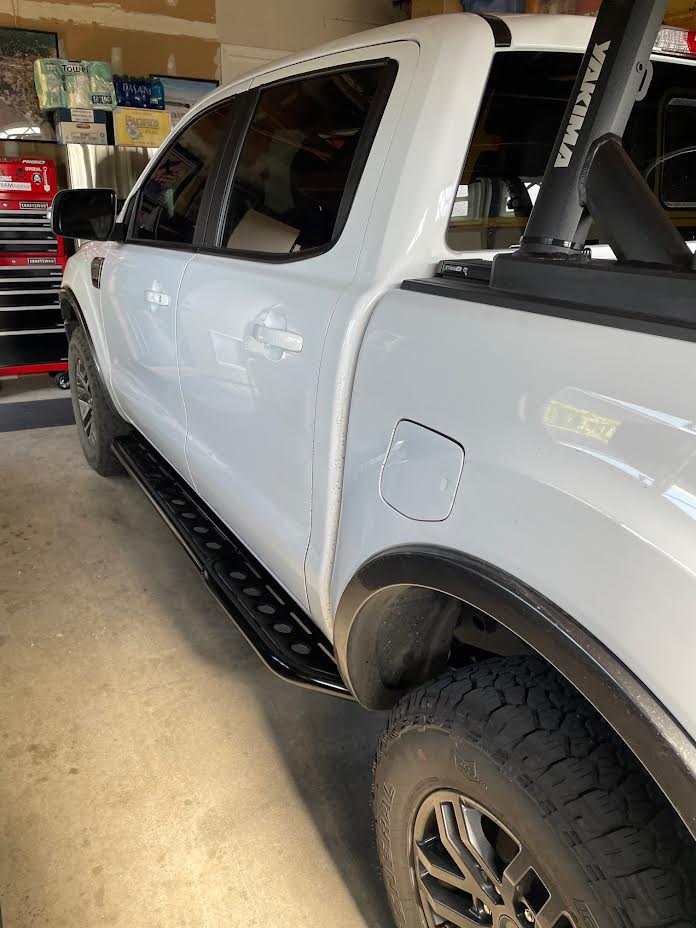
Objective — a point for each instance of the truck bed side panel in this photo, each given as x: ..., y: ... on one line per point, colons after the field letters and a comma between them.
x: 579, y: 474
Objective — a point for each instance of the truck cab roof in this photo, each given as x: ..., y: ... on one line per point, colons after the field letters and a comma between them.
x: 526, y: 31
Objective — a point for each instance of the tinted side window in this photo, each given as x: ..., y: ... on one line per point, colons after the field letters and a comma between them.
x: 171, y: 197
x: 676, y: 169
x: 523, y: 107
x: 295, y: 162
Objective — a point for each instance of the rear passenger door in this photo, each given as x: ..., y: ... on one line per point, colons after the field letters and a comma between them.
x: 254, y: 309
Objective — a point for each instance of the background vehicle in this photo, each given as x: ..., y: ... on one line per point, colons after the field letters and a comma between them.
x: 473, y: 492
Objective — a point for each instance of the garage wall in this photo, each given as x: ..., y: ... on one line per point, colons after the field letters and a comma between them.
x: 136, y: 36
x: 193, y: 38
x: 274, y: 28
x: 224, y: 38
x: 679, y: 13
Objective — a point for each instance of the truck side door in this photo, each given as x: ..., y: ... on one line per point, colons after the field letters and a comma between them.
x: 141, y: 278
x: 254, y: 309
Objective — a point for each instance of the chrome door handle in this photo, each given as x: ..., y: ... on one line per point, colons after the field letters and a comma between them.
x: 278, y: 338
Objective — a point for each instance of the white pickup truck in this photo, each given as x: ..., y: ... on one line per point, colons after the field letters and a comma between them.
x: 423, y: 468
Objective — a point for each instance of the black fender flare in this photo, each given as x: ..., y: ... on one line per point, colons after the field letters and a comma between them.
x: 71, y: 312
x: 659, y: 742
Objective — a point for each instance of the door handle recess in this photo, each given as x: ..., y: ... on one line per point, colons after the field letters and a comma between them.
x: 278, y: 338
x: 157, y: 297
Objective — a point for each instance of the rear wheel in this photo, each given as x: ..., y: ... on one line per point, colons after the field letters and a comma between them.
x: 502, y: 799
x: 97, y: 421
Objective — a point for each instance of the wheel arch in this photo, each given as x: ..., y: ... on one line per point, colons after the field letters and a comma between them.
x: 75, y: 317
x: 659, y: 742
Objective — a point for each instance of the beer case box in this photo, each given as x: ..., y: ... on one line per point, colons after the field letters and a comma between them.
x: 140, y: 128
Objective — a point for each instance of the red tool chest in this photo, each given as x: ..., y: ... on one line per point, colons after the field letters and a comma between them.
x: 32, y: 259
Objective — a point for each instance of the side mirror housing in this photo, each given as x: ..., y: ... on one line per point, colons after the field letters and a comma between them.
x: 85, y: 214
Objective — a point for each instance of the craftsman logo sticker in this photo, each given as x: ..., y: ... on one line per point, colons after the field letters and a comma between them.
x: 582, y: 105
x: 41, y: 260
x: 33, y: 204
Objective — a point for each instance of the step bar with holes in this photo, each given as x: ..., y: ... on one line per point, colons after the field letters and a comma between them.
x: 285, y: 639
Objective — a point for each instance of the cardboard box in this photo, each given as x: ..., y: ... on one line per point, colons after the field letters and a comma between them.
x: 81, y: 125
x: 85, y: 133
x: 80, y: 114
x: 140, y: 128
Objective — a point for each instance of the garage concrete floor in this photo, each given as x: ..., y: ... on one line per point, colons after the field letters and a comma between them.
x: 153, y: 772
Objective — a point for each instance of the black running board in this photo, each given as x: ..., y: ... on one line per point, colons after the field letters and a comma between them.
x: 285, y: 639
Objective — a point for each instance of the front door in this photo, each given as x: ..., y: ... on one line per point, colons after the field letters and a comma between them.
x: 254, y: 310
x: 141, y: 278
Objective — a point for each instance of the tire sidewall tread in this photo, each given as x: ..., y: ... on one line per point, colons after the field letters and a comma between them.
x: 514, y: 736
x: 108, y: 424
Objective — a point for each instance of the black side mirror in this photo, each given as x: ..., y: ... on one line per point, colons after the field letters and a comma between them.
x: 85, y: 214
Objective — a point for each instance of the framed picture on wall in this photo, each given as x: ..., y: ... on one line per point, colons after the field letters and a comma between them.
x: 181, y: 93
x: 20, y: 116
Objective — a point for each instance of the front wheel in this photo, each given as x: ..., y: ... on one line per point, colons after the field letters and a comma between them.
x: 503, y: 800
x: 97, y: 421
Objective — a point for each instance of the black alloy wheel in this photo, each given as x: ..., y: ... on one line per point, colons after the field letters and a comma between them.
x: 472, y: 871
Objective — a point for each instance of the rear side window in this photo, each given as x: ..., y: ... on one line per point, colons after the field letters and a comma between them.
x: 170, y: 199
x: 674, y: 174
x: 301, y: 158
x: 521, y: 112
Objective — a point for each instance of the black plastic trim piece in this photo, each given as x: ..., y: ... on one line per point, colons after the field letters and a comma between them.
x: 477, y: 269
x: 501, y: 31
x: 632, y: 219
x: 222, y: 186
x: 285, y: 639
x: 645, y: 725
x: 562, y: 309
x: 74, y: 314
x: 96, y: 271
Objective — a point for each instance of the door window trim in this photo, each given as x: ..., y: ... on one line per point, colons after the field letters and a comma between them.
x: 225, y: 177
x: 203, y: 213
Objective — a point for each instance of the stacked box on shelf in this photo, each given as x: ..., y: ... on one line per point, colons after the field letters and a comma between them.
x: 32, y: 259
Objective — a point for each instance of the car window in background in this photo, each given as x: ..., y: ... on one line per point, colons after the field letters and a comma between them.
x: 291, y: 183
x: 523, y: 107
x: 171, y: 196
x: 674, y: 173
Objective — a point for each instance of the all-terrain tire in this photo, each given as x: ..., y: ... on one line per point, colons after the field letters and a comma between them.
x: 104, y: 423
x: 514, y: 737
